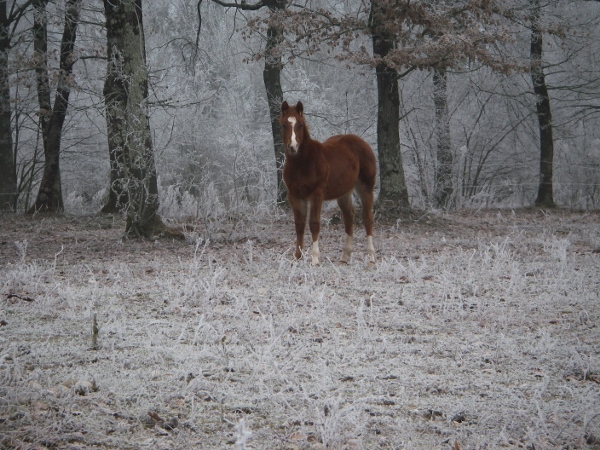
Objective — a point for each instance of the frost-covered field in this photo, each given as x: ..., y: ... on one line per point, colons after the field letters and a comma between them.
x: 474, y: 330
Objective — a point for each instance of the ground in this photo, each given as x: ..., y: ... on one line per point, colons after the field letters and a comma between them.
x: 473, y: 330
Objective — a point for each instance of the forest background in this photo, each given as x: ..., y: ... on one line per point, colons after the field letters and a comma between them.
x: 467, y: 104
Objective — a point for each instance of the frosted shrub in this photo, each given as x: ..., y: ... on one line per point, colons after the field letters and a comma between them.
x: 21, y: 247
x: 495, y: 256
x: 82, y: 204
x: 341, y: 424
x: 557, y: 249
x: 243, y: 434
x: 32, y: 277
x: 177, y: 204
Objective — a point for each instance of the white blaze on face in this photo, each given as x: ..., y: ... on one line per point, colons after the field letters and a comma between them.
x: 293, y: 141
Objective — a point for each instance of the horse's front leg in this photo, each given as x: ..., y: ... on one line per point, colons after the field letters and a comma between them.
x: 299, y: 207
x: 314, y: 223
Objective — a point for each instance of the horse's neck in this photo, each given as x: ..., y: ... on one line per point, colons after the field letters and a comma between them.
x: 309, y: 145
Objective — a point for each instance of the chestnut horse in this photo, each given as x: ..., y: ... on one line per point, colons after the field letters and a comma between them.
x: 314, y: 172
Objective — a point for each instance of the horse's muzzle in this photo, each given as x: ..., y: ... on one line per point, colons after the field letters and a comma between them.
x: 291, y: 149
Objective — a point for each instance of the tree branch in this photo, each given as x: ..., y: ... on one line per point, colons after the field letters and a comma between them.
x: 245, y: 6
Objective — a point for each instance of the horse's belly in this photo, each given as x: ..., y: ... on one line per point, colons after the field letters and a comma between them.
x: 335, y: 189
x: 342, y: 178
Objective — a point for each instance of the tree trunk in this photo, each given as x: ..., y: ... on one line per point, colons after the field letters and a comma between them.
x: 117, y: 198
x: 272, y: 81
x: 8, y: 174
x: 49, y: 197
x: 48, y: 190
x: 544, y: 114
x: 127, y: 114
x: 443, y: 170
x: 393, y: 194
x: 115, y: 99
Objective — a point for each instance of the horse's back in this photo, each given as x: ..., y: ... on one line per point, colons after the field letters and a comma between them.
x: 350, y: 159
x: 355, y: 146
x: 349, y: 143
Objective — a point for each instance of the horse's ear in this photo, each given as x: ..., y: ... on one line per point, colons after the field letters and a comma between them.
x: 284, y: 107
x: 299, y: 107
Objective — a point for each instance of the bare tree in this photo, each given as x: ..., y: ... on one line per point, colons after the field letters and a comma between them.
x: 272, y: 81
x: 439, y: 36
x: 406, y: 36
x: 115, y: 101
x: 544, y: 113
x: 8, y: 174
x: 52, y: 118
x: 9, y: 20
x: 271, y: 73
x: 128, y: 125
x: 393, y: 193
x: 443, y: 189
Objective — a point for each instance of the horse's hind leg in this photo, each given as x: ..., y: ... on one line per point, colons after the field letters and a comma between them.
x: 365, y: 192
x: 345, y: 204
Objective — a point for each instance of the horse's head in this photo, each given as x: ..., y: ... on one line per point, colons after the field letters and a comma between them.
x: 293, y: 125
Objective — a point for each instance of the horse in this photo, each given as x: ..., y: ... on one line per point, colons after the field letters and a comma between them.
x: 314, y: 172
